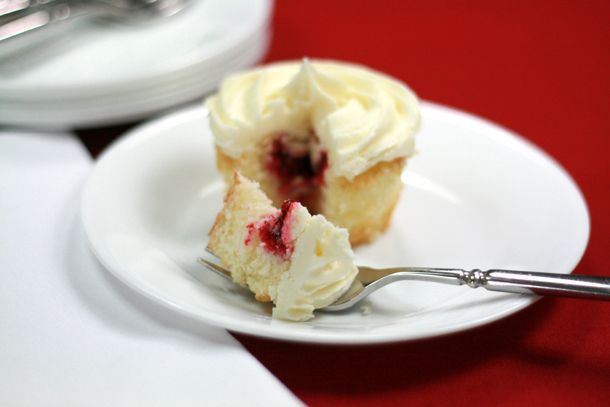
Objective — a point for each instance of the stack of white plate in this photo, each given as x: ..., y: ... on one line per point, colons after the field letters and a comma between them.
x: 109, y: 73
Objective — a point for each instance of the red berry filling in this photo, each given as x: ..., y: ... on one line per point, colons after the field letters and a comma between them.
x: 299, y: 165
x: 249, y: 236
x: 274, y: 231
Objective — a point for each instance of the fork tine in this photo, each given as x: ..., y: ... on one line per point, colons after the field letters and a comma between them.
x: 216, y: 269
x: 207, y: 249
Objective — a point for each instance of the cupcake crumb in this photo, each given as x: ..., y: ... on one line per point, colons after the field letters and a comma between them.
x: 366, y: 308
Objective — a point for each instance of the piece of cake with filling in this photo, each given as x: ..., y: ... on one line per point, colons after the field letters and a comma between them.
x: 298, y: 261
x: 333, y: 136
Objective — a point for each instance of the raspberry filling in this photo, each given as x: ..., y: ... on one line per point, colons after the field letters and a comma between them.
x: 274, y: 231
x: 299, y: 164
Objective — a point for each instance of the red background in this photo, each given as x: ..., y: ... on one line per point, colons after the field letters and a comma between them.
x: 540, y: 69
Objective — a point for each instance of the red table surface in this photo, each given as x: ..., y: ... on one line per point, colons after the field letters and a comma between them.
x: 541, y: 69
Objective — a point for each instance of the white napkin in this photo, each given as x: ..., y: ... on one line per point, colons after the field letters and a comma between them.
x: 73, y: 335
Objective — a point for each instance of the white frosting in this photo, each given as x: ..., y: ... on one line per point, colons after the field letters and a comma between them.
x: 360, y: 116
x: 321, y: 270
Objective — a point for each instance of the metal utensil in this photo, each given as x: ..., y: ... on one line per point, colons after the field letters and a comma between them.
x: 370, y: 279
x: 26, y: 26
x: 10, y: 6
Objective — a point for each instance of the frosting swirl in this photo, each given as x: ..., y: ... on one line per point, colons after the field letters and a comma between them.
x: 321, y: 269
x: 360, y: 116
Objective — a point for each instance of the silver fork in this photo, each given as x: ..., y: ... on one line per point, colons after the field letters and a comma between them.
x: 127, y: 10
x: 370, y: 279
x: 21, y: 28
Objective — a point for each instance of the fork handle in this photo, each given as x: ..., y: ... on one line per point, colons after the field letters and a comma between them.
x: 519, y: 282
x: 34, y: 25
x: 524, y: 282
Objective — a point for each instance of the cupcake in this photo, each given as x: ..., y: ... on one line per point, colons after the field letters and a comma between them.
x: 333, y: 136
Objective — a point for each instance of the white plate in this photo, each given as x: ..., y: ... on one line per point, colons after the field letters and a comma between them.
x: 103, y: 63
x: 106, y: 57
x: 129, y: 107
x: 476, y: 196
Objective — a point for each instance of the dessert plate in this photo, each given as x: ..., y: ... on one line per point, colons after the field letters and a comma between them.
x: 476, y: 196
x: 104, y: 72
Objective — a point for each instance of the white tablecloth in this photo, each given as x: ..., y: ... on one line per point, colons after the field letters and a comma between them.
x: 70, y: 333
